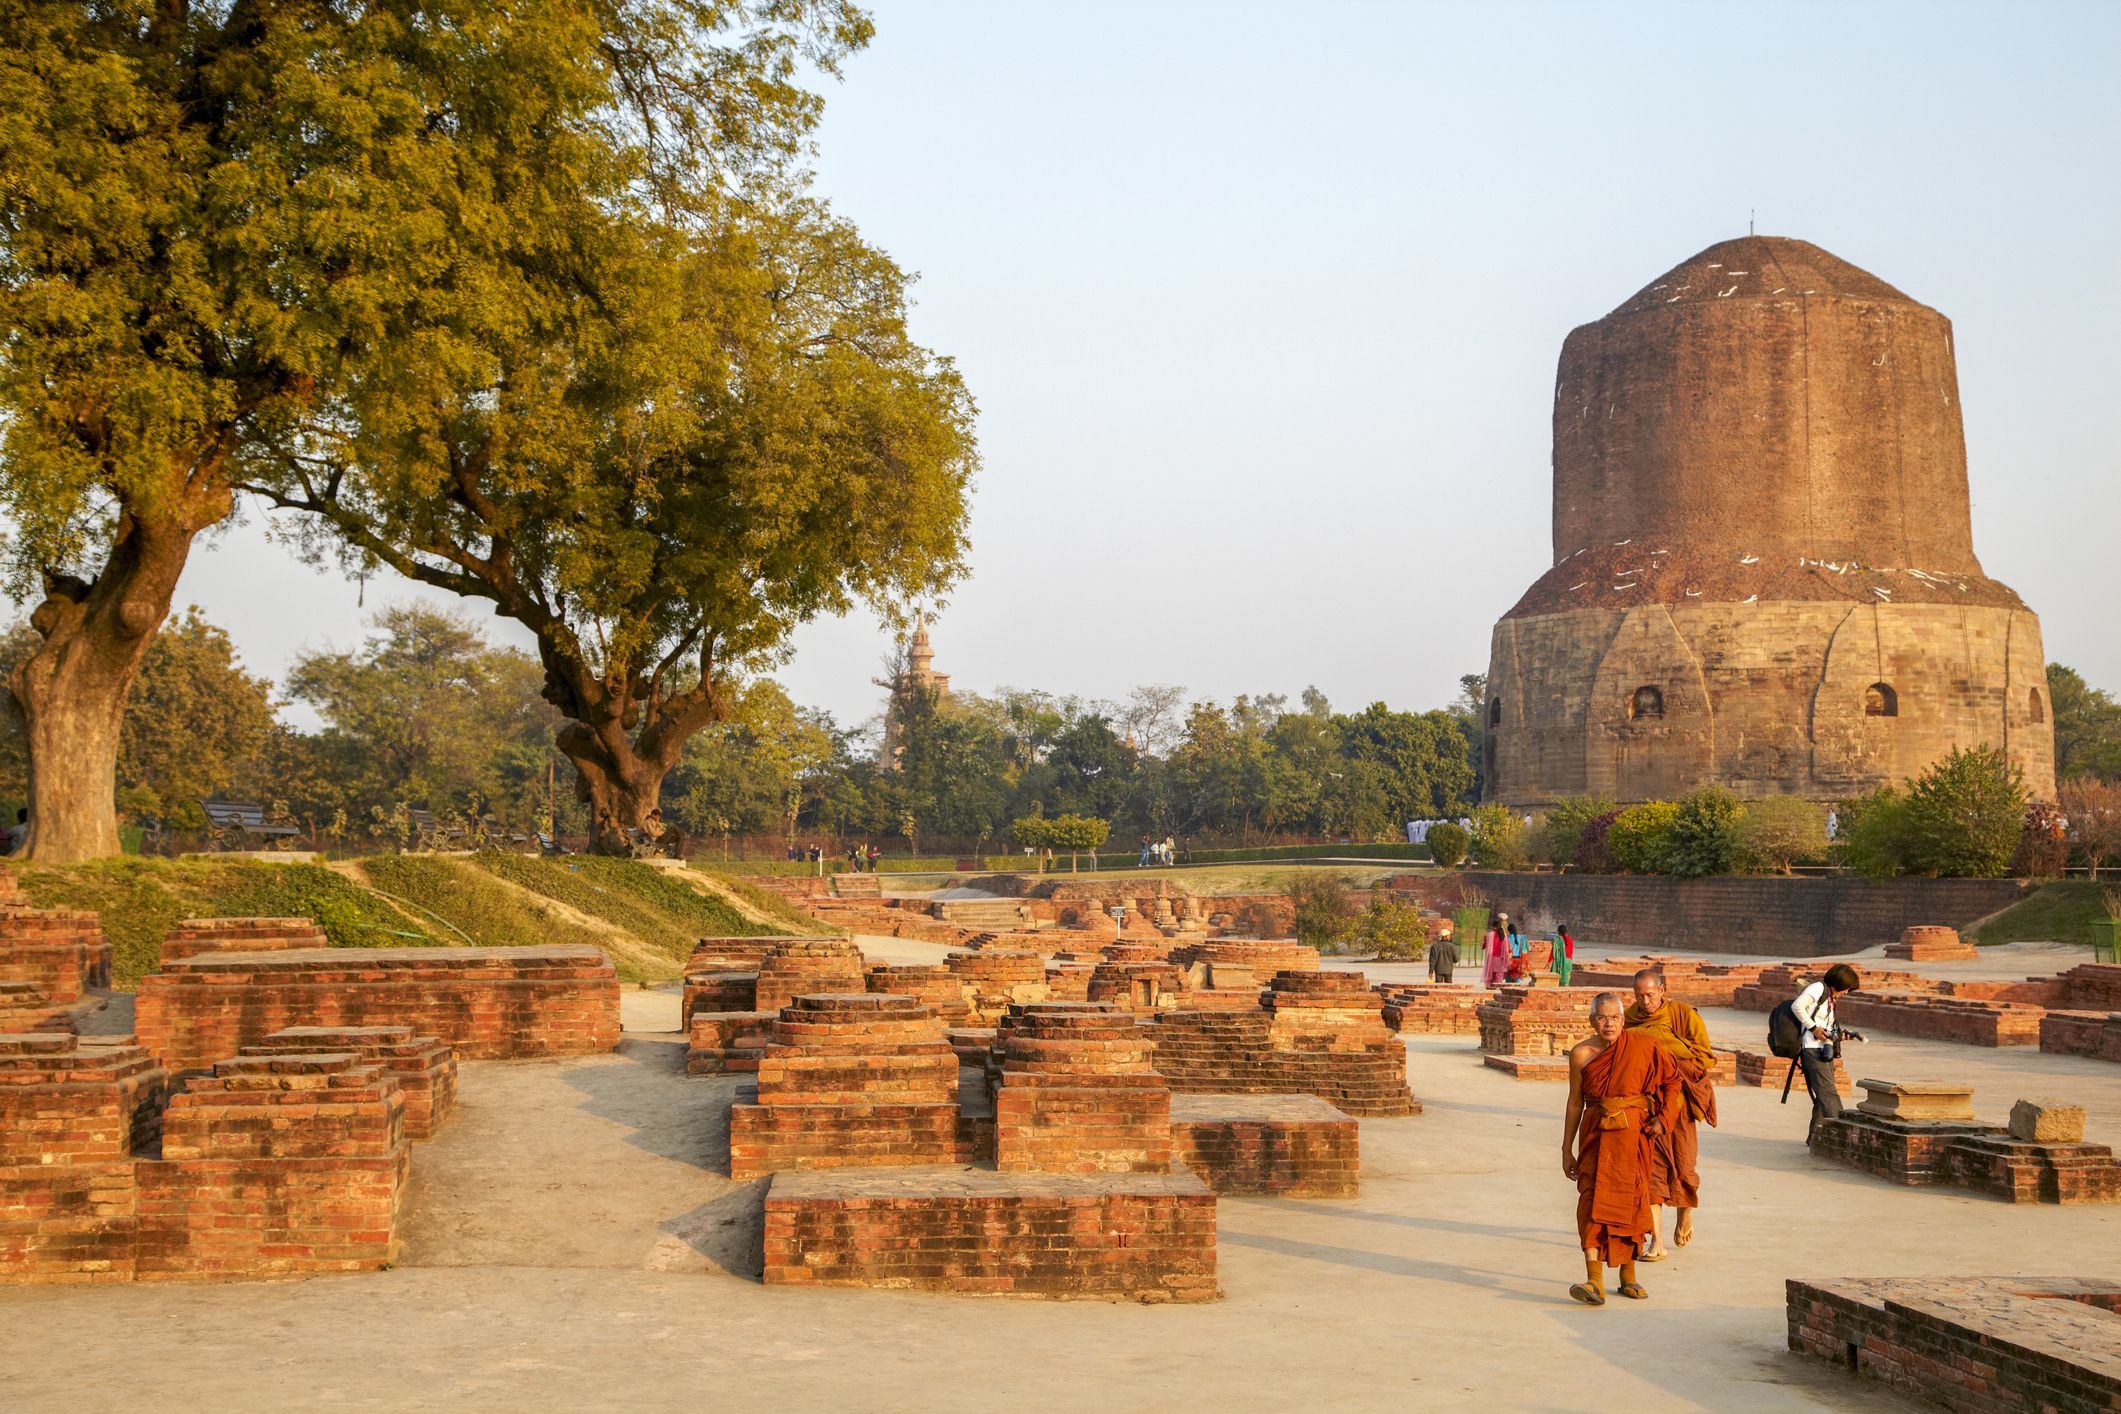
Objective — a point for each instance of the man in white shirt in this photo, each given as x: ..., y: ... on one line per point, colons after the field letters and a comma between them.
x: 1815, y: 1013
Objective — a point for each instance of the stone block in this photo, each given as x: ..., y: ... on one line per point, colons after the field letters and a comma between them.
x: 1917, y: 1100
x: 2047, y: 1122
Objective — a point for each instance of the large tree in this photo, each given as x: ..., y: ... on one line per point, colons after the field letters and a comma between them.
x: 730, y: 434
x: 224, y: 220
x: 2087, y: 726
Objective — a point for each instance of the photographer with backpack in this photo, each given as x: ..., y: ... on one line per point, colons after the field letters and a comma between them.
x: 1803, y: 1028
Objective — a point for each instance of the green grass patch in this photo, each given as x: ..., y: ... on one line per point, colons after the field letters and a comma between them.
x: 2061, y: 912
x: 480, y: 909
x: 787, y: 918
x: 640, y: 898
x: 140, y: 898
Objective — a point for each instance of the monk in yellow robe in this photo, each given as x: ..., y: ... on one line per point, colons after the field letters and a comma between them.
x: 1620, y: 1083
x: 1679, y: 1031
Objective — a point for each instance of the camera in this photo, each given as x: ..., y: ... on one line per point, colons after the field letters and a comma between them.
x: 1838, y: 1034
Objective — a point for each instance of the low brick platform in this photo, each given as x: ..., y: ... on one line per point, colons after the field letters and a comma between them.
x: 1069, y: 981
x: 1942, y: 1018
x: 727, y: 1042
x: 1270, y: 1146
x: 849, y: 1081
x: 1128, y: 1237
x: 276, y: 1165
x: 271, y: 1165
x: 744, y: 954
x: 1233, y: 1053
x: 2095, y: 1035
x: 931, y: 984
x: 1432, y: 1008
x: 189, y: 937
x: 1765, y: 1069
x: 1981, y: 1158
x: 1529, y: 1067
x: 792, y: 968
x: 60, y: 952
x: 1535, y: 1021
x: 485, y: 1003
x: 1931, y: 943
x: 1075, y: 1093
x: 1142, y: 986
x: 425, y: 1069
x: 716, y: 991
x: 1695, y: 983
x: 995, y: 979
x: 1968, y: 1343
x: 1779, y: 984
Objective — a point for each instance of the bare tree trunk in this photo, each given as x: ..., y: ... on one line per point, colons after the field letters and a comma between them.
x: 621, y: 787
x: 71, y: 692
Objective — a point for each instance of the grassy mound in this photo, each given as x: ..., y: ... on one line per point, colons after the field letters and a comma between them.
x: 637, y: 897
x: 2061, y: 912
x: 140, y: 899
x: 763, y: 902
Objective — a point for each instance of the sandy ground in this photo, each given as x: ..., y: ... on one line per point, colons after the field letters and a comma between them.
x: 571, y: 1242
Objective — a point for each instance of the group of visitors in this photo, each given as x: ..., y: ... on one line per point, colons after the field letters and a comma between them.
x: 1639, y: 1090
x: 1163, y: 851
x: 1507, y: 954
x: 856, y: 856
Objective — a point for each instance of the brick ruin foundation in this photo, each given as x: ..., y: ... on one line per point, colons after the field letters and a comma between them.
x: 54, y: 964
x: 1076, y: 1092
x: 1318, y: 1033
x: 1082, y: 1199
x: 190, y: 937
x: 424, y: 1068
x: 1433, y: 1008
x: 1695, y: 983
x: 1926, y: 1141
x: 850, y: 1080
x: 485, y: 1003
x: 267, y: 1165
x: 2066, y: 1014
x: 1967, y: 1343
x: 1267, y: 1146
x: 1926, y: 942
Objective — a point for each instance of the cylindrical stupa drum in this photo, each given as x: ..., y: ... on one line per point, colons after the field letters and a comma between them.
x: 1764, y: 574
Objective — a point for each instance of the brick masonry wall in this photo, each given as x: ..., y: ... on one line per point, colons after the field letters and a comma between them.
x: 1803, y: 917
x: 486, y: 1003
x: 1292, y: 1146
x: 1978, y: 1343
x: 1139, y: 1237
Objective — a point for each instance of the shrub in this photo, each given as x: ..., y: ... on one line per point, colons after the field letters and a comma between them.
x: 1640, y: 834
x: 1390, y: 929
x: 1872, y: 834
x: 1780, y: 830
x: 1705, y: 840
x: 2042, y: 849
x: 1562, y: 831
x: 1447, y: 843
x: 1965, y: 815
x: 1321, y: 903
x: 1498, y: 838
x: 1594, y: 847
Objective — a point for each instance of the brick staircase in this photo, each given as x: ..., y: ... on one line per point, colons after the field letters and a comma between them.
x: 998, y: 915
x: 857, y: 886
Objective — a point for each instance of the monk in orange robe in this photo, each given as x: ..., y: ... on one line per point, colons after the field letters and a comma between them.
x: 1678, y: 1029
x: 1620, y: 1082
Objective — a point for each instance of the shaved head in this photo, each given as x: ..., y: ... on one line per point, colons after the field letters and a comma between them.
x: 1650, y: 976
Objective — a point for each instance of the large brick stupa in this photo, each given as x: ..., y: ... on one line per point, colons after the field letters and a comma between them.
x: 1764, y: 566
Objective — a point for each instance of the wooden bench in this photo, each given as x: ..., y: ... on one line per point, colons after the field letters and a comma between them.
x: 245, y: 824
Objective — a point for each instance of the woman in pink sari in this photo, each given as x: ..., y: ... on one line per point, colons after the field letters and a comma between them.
x: 1496, y: 953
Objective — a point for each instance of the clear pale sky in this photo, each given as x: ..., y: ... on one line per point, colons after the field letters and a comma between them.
x: 1261, y: 305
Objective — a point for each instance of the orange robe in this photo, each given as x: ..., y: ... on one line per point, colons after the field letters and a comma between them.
x: 1678, y: 1030
x: 1622, y: 1086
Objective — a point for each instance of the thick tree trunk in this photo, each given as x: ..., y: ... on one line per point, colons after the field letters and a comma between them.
x: 621, y: 787
x: 71, y: 692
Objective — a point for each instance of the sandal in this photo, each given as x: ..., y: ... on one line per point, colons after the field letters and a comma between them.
x: 1587, y: 1294
x: 1683, y: 1235
x: 1633, y: 1292
x: 1658, y: 1256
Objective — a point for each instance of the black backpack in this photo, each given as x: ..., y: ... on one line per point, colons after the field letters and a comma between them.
x: 1785, y: 1033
